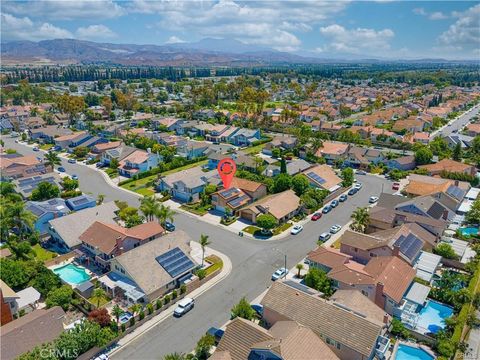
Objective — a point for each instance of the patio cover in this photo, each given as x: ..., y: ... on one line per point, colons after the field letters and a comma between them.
x: 112, y: 280
x: 28, y: 296
x: 426, y: 265
x: 417, y: 293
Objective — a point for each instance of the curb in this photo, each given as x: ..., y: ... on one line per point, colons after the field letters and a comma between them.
x: 226, y: 270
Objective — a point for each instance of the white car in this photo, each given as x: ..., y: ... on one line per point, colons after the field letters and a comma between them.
x: 184, y: 306
x: 373, y: 199
x: 296, y: 229
x: 282, y: 272
x: 324, y: 237
x: 358, y: 185
x: 335, y: 228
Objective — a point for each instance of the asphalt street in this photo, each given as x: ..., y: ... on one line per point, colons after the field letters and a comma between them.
x: 458, y: 124
x: 253, y: 262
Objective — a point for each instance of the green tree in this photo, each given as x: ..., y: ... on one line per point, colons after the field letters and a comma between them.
x: 52, y: 159
x: 80, y: 151
x: 133, y: 220
x: 282, y: 182
x: 174, y: 356
x: 266, y: 222
x: 204, y: 242
x: 100, y: 199
x: 164, y: 214
x: 60, y: 297
x: 457, y: 152
x: 423, y: 156
x: 117, y: 312
x: 283, y: 166
x: 204, y: 347
x: 114, y: 163
x: 317, y: 279
x: 300, y: 184
x: 45, y: 191
x: 445, y: 250
x: 399, y: 329
x: 135, y: 308
x: 20, y: 218
x: 360, y: 219
x: 149, y: 206
x: 14, y: 273
x: 347, y: 177
x: 127, y: 212
x: 45, y: 280
x: 98, y: 294
x: 243, y: 309
x: 473, y: 215
x: 299, y: 268
x: 276, y: 153
x: 69, y: 184
x: 22, y: 250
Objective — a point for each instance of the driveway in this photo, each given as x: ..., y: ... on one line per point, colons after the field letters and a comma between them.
x: 253, y: 262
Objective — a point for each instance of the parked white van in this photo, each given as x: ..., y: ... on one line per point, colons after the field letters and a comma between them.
x: 184, y: 306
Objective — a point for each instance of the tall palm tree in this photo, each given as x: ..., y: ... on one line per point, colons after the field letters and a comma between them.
x: 135, y: 308
x: 299, y: 267
x: 149, y: 207
x: 52, y: 159
x: 361, y: 219
x: 100, y: 199
x: 98, y: 294
x: 117, y: 312
x: 163, y: 214
x: 20, y: 218
x: 204, y: 242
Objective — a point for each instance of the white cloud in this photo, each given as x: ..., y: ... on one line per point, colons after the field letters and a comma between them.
x: 14, y: 28
x: 93, y: 32
x: 254, y: 22
x: 465, y: 31
x: 419, y: 11
x: 356, y: 40
x: 436, y: 15
x: 174, y: 40
x: 64, y: 9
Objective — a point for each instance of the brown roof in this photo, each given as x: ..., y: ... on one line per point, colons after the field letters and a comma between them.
x: 420, y: 185
x: 279, y: 205
x: 446, y: 165
x: 22, y: 160
x: 246, y: 185
x: 108, y: 145
x: 393, y: 272
x: 329, y: 257
x: 332, y: 148
x: 33, y: 329
x: 7, y: 290
x: 356, y: 301
x: 5, y: 252
x: 70, y: 136
x: 326, y: 173
x: 324, y: 318
x: 105, y: 236
x: 137, y: 157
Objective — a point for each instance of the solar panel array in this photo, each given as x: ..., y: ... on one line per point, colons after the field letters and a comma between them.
x: 80, y: 201
x: 175, y: 262
x: 30, y: 184
x: 316, y: 177
x: 238, y: 201
x: 35, y: 210
x: 456, y: 192
x: 409, y: 245
x: 229, y: 192
x: 436, y: 210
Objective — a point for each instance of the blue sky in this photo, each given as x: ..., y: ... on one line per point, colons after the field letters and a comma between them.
x: 390, y: 29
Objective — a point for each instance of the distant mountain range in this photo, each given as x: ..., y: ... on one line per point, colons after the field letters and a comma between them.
x: 206, y: 52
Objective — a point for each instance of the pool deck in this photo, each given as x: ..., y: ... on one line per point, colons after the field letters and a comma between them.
x: 411, y: 344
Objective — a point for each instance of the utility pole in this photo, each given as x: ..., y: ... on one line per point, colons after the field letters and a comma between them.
x: 284, y: 276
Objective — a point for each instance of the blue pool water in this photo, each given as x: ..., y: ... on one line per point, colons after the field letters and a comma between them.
x: 72, y: 274
x: 405, y: 352
x: 432, y: 317
x: 469, y: 231
x: 125, y: 317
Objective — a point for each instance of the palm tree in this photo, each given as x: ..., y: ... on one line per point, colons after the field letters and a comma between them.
x: 203, y: 243
x: 20, y: 218
x: 117, y: 312
x: 174, y: 356
x: 361, y: 219
x: 163, y: 214
x: 135, y: 308
x: 149, y: 207
x: 52, y: 159
x: 100, y: 199
x: 299, y: 267
x: 98, y: 294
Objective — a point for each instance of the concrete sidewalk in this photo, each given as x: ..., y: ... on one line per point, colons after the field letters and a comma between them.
x: 150, y: 324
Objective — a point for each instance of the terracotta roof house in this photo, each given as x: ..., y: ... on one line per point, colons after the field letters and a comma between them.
x: 31, y: 330
x: 104, y: 241
x: 333, y: 151
x: 240, y: 193
x: 102, y: 147
x: 285, y: 340
x: 359, y: 157
x: 420, y: 185
x: 350, y: 335
x: 72, y: 140
x: 119, y: 153
x: 20, y: 167
x: 385, y: 288
x: 323, y: 177
x: 149, y: 271
x: 449, y: 166
x: 282, y: 206
x: 473, y: 129
x: 137, y: 162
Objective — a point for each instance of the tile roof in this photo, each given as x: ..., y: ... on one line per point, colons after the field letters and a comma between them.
x: 278, y: 205
x: 324, y: 318
x: 246, y: 185
x: 330, y: 180
x: 333, y: 148
x: 136, y: 157
x: 22, y: 160
x: 70, y: 136
x: 447, y: 165
x: 356, y: 301
x: 329, y: 257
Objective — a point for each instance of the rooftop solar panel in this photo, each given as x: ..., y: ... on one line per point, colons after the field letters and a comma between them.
x: 409, y: 245
x: 456, y: 192
x: 436, y: 210
x: 238, y: 201
x: 316, y: 177
x: 175, y: 262
x: 80, y: 201
x: 229, y: 192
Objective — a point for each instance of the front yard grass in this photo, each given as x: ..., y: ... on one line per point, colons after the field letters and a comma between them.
x: 251, y: 229
x: 254, y: 149
x: 46, y: 146
x: 185, y: 167
x: 216, y: 262
x: 196, y: 209
x: 42, y: 254
x: 99, y: 302
x: 112, y: 173
x: 281, y: 228
x: 145, y: 191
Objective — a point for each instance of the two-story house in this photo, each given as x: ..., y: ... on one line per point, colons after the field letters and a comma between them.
x: 137, y: 162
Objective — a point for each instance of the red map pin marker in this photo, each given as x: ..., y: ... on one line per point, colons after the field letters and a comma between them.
x: 226, y: 168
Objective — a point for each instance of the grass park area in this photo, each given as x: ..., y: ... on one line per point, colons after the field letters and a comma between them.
x: 216, y: 262
x: 42, y: 254
x: 256, y: 231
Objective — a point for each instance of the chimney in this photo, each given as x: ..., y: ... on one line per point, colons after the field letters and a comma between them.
x: 445, y: 215
x: 457, y: 182
x: 379, y: 298
x: 119, y: 244
x: 396, y: 250
x: 386, y: 319
x: 149, y: 150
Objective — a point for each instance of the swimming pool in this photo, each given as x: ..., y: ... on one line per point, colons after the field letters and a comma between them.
x: 72, y: 274
x: 125, y: 317
x: 432, y: 317
x: 469, y: 231
x: 406, y: 352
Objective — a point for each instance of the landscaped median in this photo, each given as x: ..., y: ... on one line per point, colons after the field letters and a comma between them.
x: 257, y: 232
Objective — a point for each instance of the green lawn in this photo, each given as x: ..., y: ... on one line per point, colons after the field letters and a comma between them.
x: 103, y: 300
x: 251, y: 229
x: 186, y: 167
x: 42, y: 254
x: 46, y: 146
x: 112, y: 173
x: 216, y: 262
x: 197, y: 210
x: 254, y: 149
x: 281, y: 228
x: 145, y: 191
